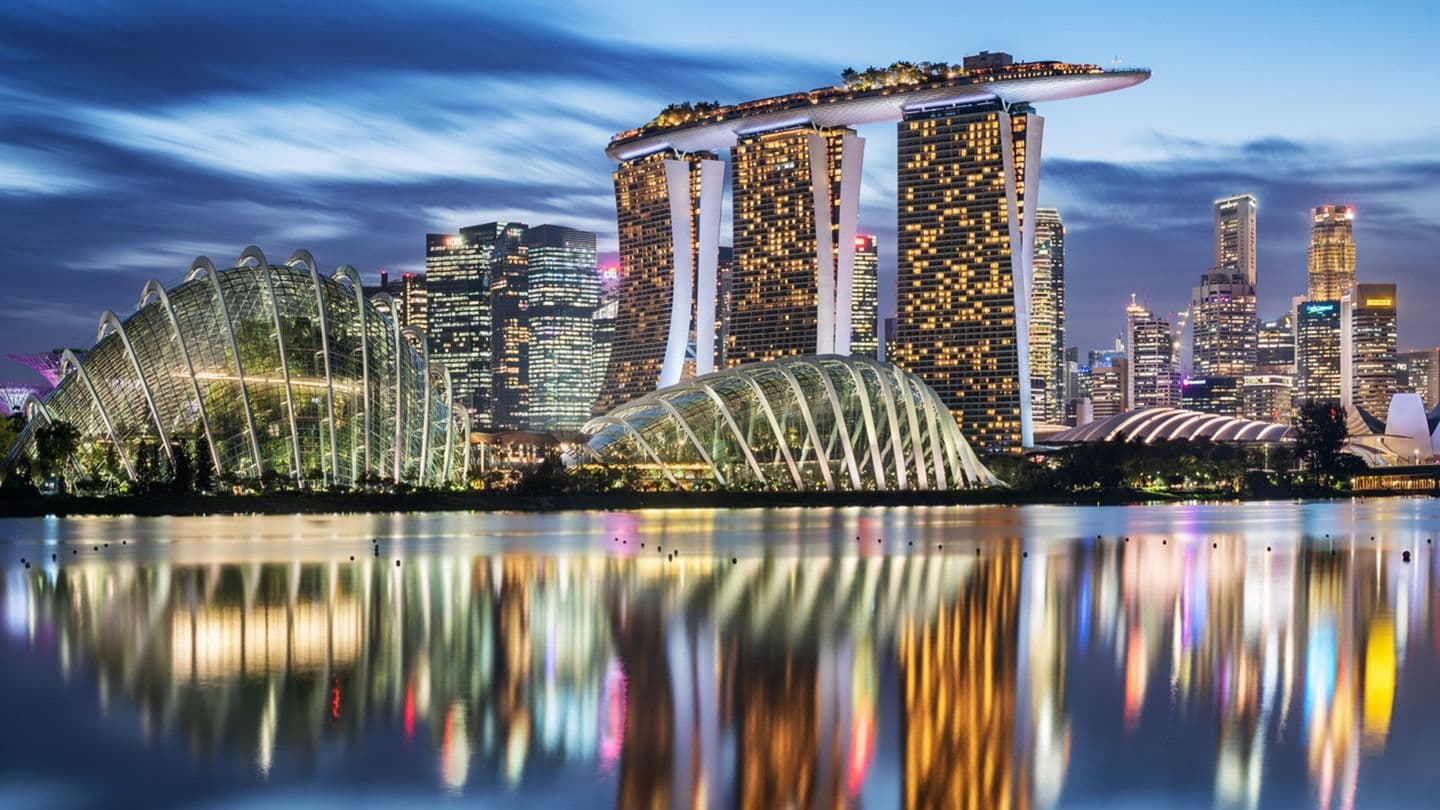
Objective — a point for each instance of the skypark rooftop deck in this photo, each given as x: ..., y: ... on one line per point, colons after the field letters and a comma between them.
x: 719, y: 128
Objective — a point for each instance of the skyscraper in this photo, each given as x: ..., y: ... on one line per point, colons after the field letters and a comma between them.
x: 1419, y: 372
x: 725, y: 304
x: 1275, y: 346
x: 1332, y: 252
x: 1368, y: 350
x: 457, y: 273
x: 1224, y: 326
x: 795, y: 214
x: 509, y: 328
x: 1150, y: 351
x: 668, y: 211
x: 563, y: 295
x: 1047, y: 317
x: 965, y: 232
x: 865, y: 311
x: 1235, y: 236
x: 1317, y: 351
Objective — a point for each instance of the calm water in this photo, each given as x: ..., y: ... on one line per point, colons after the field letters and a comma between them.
x: 1228, y: 655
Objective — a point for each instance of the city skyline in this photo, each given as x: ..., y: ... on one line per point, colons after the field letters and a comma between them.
x: 1134, y: 197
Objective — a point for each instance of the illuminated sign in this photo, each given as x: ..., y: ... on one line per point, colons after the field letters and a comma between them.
x: 1379, y: 302
x: 1320, y: 309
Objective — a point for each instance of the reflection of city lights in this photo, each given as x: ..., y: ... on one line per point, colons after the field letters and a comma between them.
x: 1379, y: 682
x: 409, y: 712
x: 612, y: 717
x: 455, y: 749
x: 862, y: 734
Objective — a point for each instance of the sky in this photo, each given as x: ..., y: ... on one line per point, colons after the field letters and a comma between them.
x: 136, y: 136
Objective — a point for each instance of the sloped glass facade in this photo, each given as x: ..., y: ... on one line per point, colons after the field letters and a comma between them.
x: 802, y: 423
x: 269, y: 368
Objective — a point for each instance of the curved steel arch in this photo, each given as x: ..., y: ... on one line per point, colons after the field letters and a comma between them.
x: 110, y: 319
x: 915, y: 438
x: 416, y: 334
x: 862, y: 393
x: 774, y: 427
x: 821, y: 456
x: 154, y: 288
x: 694, y: 440
x: 302, y: 257
x: 724, y: 412
x: 203, y: 265
x: 897, y: 444
x: 449, y: 421
x: 389, y: 314
x: 68, y: 358
x: 841, y: 426
x: 352, y: 275
x: 932, y: 432
x: 644, y: 445
x: 269, y: 273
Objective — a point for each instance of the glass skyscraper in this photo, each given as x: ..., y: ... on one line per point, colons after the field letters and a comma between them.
x: 457, y: 275
x: 1317, y: 351
x: 1331, y: 256
x: 865, y: 312
x: 1369, y: 353
x: 1047, y: 318
x: 564, y: 294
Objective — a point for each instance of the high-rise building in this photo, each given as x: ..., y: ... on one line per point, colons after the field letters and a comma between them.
x: 1108, y: 384
x: 1368, y: 350
x: 1047, y: 317
x: 1419, y: 372
x: 1235, y: 237
x: 1224, y: 326
x: 1150, y: 350
x: 1072, y: 383
x: 966, y: 228
x: 796, y: 203
x: 1218, y: 395
x: 865, y: 311
x: 668, y: 212
x: 509, y: 328
x: 1268, y: 397
x: 1332, y: 252
x: 408, y: 295
x: 725, y: 273
x: 563, y: 295
x: 1275, y: 346
x: 1317, y: 351
x: 457, y: 274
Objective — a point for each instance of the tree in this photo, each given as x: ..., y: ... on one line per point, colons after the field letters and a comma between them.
x: 182, y: 479
x: 204, y: 466
x: 54, y: 445
x: 1320, y: 434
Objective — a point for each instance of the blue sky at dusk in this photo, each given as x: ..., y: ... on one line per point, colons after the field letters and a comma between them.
x: 135, y: 136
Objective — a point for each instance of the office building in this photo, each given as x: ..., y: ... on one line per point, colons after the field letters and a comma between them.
x: 1047, y: 318
x: 796, y: 195
x: 1108, y: 388
x: 1217, y: 395
x: 1317, y: 352
x: 668, y: 213
x: 1268, y: 397
x: 1150, y: 351
x: 1368, y: 354
x: 457, y: 275
x: 1331, y: 258
x: 563, y: 297
x: 1224, y: 326
x: 1235, y: 237
x: 865, y: 311
x: 1275, y: 346
x: 1419, y: 372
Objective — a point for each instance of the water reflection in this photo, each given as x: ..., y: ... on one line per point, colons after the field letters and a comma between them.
x: 825, y: 679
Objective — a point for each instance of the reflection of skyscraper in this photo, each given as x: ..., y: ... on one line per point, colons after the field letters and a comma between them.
x: 966, y: 228
x: 958, y: 673
x: 1047, y: 318
x: 796, y: 209
x: 865, y: 314
x: 668, y: 212
x: 1332, y: 252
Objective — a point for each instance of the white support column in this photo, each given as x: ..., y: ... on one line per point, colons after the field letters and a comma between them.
x: 712, y: 187
x: 779, y: 434
x: 347, y: 272
x: 824, y: 245
x: 694, y: 440
x: 1347, y: 351
x: 204, y: 265
x: 1022, y: 243
x: 677, y: 183
x: 110, y: 319
x: 852, y: 157
x: 304, y: 259
x: 449, y: 421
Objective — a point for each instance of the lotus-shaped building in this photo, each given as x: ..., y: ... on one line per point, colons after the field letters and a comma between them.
x: 798, y: 423
x: 268, y: 368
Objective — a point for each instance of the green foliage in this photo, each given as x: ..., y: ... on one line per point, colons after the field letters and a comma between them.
x: 1320, y: 438
x: 1199, y: 465
x: 899, y: 73
x: 55, y: 443
x: 682, y: 113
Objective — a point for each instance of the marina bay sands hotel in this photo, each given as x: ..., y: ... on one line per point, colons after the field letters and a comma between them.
x: 968, y: 176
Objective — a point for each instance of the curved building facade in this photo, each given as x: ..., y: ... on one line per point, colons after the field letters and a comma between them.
x: 799, y: 423
x: 1174, y: 424
x: 270, y: 369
